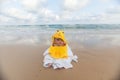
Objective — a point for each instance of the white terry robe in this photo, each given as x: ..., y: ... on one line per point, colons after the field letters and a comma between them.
x: 59, y: 63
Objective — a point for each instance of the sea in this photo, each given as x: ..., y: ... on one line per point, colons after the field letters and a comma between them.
x: 84, y: 34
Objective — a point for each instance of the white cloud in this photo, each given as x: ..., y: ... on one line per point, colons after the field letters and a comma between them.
x: 114, y: 9
x: 108, y: 18
x: 109, y: 0
x: 66, y: 15
x: 32, y: 4
x: 34, y: 12
x: 75, y: 4
x: 18, y: 11
x: 14, y: 15
x: 105, y: 0
x: 70, y: 8
x: 48, y: 15
x: 4, y: 19
x: 1, y: 1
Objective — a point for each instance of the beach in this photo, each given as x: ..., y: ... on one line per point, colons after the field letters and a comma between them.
x: 97, y: 48
x: 25, y: 62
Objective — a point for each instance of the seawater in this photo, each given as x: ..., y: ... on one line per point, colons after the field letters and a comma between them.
x: 85, y: 34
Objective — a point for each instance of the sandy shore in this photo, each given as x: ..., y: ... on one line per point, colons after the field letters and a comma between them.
x: 24, y: 62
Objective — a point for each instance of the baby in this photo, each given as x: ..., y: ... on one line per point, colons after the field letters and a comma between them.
x: 59, y: 55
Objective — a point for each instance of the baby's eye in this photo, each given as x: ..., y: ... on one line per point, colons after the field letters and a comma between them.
x: 58, y: 39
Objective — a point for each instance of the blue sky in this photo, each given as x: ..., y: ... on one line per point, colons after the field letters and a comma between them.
x: 59, y: 12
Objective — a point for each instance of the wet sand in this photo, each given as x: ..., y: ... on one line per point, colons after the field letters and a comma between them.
x: 24, y: 62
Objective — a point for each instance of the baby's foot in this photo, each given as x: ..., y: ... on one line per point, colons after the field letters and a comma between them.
x: 49, y: 64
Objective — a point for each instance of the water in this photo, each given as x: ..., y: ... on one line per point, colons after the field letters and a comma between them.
x: 85, y: 34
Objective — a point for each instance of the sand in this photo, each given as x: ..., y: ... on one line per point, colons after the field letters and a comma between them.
x: 25, y: 62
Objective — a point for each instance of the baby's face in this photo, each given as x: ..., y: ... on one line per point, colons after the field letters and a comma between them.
x: 58, y: 42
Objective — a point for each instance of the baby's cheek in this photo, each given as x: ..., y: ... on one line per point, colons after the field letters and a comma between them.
x: 62, y: 43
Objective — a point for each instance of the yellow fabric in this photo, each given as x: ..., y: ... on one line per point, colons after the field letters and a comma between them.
x: 58, y: 51
x: 59, y: 34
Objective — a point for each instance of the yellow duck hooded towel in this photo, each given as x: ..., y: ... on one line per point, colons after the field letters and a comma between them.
x: 58, y: 52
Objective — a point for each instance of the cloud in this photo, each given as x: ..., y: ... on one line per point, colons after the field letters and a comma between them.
x: 108, y: 17
x: 71, y: 8
x: 111, y: 15
x: 35, y: 11
x: 24, y: 11
x: 114, y: 9
x: 47, y: 15
x: 74, y: 4
x: 4, y: 19
x: 105, y: 0
x: 32, y: 4
x: 110, y: 1
x: 1, y: 1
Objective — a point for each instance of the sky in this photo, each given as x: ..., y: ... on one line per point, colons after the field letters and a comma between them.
x: 35, y: 12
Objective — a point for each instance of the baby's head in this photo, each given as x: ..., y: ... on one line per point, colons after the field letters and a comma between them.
x: 59, y: 38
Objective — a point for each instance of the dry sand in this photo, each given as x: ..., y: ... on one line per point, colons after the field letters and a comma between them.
x: 24, y: 62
